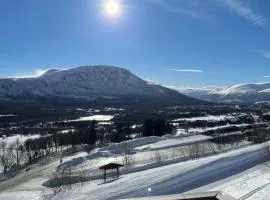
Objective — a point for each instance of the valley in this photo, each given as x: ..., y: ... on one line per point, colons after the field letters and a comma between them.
x: 224, y: 142
x: 134, y: 100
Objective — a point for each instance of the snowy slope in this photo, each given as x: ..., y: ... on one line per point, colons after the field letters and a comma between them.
x: 85, y: 83
x: 195, y: 92
x: 251, y: 184
x: 169, y: 179
x: 206, y: 118
x: 247, y: 93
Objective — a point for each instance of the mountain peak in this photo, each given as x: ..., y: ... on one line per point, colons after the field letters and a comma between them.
x: 91, y: 83
x: 247, y: 93
x: 50, y: 72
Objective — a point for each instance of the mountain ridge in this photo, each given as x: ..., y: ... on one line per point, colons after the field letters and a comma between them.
x: 250, y: 93
x: 88, y: 83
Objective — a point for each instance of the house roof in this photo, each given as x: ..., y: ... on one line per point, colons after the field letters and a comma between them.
x: 111, y: 166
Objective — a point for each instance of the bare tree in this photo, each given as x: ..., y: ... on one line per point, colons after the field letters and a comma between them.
x: 128, y: 156
x: 194, y: 150
x: 18, y: 151
x: 158, y: 157
x: 6, y: 156
x: 3, y: 158
x: 267, y: 148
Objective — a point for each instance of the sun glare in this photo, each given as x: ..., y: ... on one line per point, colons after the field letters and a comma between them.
x: 112, y: 7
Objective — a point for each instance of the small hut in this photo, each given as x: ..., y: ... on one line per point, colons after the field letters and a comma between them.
x: 114, y: 167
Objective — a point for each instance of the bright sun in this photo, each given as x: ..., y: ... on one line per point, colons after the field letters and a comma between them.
x: 112, y: 7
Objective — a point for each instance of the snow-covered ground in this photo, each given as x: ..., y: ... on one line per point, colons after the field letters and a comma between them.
x: 171, y: 179
x: 172, y: 142
x: 11, y: 140
x: 22, y: 138
x: 207, y: 118
x: 104, y: 155
x: 67, y: 131
x: 201, y: 130
x: 143, y: 151
x: 113, y: 109
x: 225, y: 171
x: 8, y: 115
x: 95, y: 117
x: 212, y: 118
x: 122, y: 146
x: 191, y: 131
x: 181, y: 131
x: 105, y: 123
x: 252, y: 184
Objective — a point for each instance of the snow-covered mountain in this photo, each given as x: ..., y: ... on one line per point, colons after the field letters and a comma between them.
x: 242, y: 93
x: 86, y: 83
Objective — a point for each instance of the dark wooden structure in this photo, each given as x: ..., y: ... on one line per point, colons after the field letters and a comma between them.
x: 112, y: 167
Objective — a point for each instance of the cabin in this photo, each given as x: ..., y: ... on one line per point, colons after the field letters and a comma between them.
x: 114, y: 169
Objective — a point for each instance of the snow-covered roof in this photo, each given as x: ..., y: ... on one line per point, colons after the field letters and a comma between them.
x: 193, y: 196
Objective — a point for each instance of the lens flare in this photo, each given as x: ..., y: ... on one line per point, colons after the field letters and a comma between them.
x: 112, y: 7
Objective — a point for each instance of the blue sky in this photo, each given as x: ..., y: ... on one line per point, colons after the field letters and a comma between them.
x: 183, y: 43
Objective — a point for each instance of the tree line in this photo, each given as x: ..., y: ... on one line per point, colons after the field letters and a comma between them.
x: 88, y: 134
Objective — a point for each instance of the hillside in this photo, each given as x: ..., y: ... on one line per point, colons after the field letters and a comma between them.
x: 257, y: 93
x: 89, y: 84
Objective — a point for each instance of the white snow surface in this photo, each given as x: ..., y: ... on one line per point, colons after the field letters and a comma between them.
x: 201, y: 130
x: 8, y: 115
x: 86, y: 82
x: 22, y: 138
x: 265, y: 91
x: 235, y: 89
x: 106, y: 154
x: 252, y: 184
x: 67, y: 131
x: 206, y: 118
x: 95, y: 117
x: 181, y: 131
x: 230, y: 90
x: 234, y: 93
x: 131, y: 144
x: 113, y: 109
x: 172, y: 179
x: 174, y: 142
x: 231, y: 172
